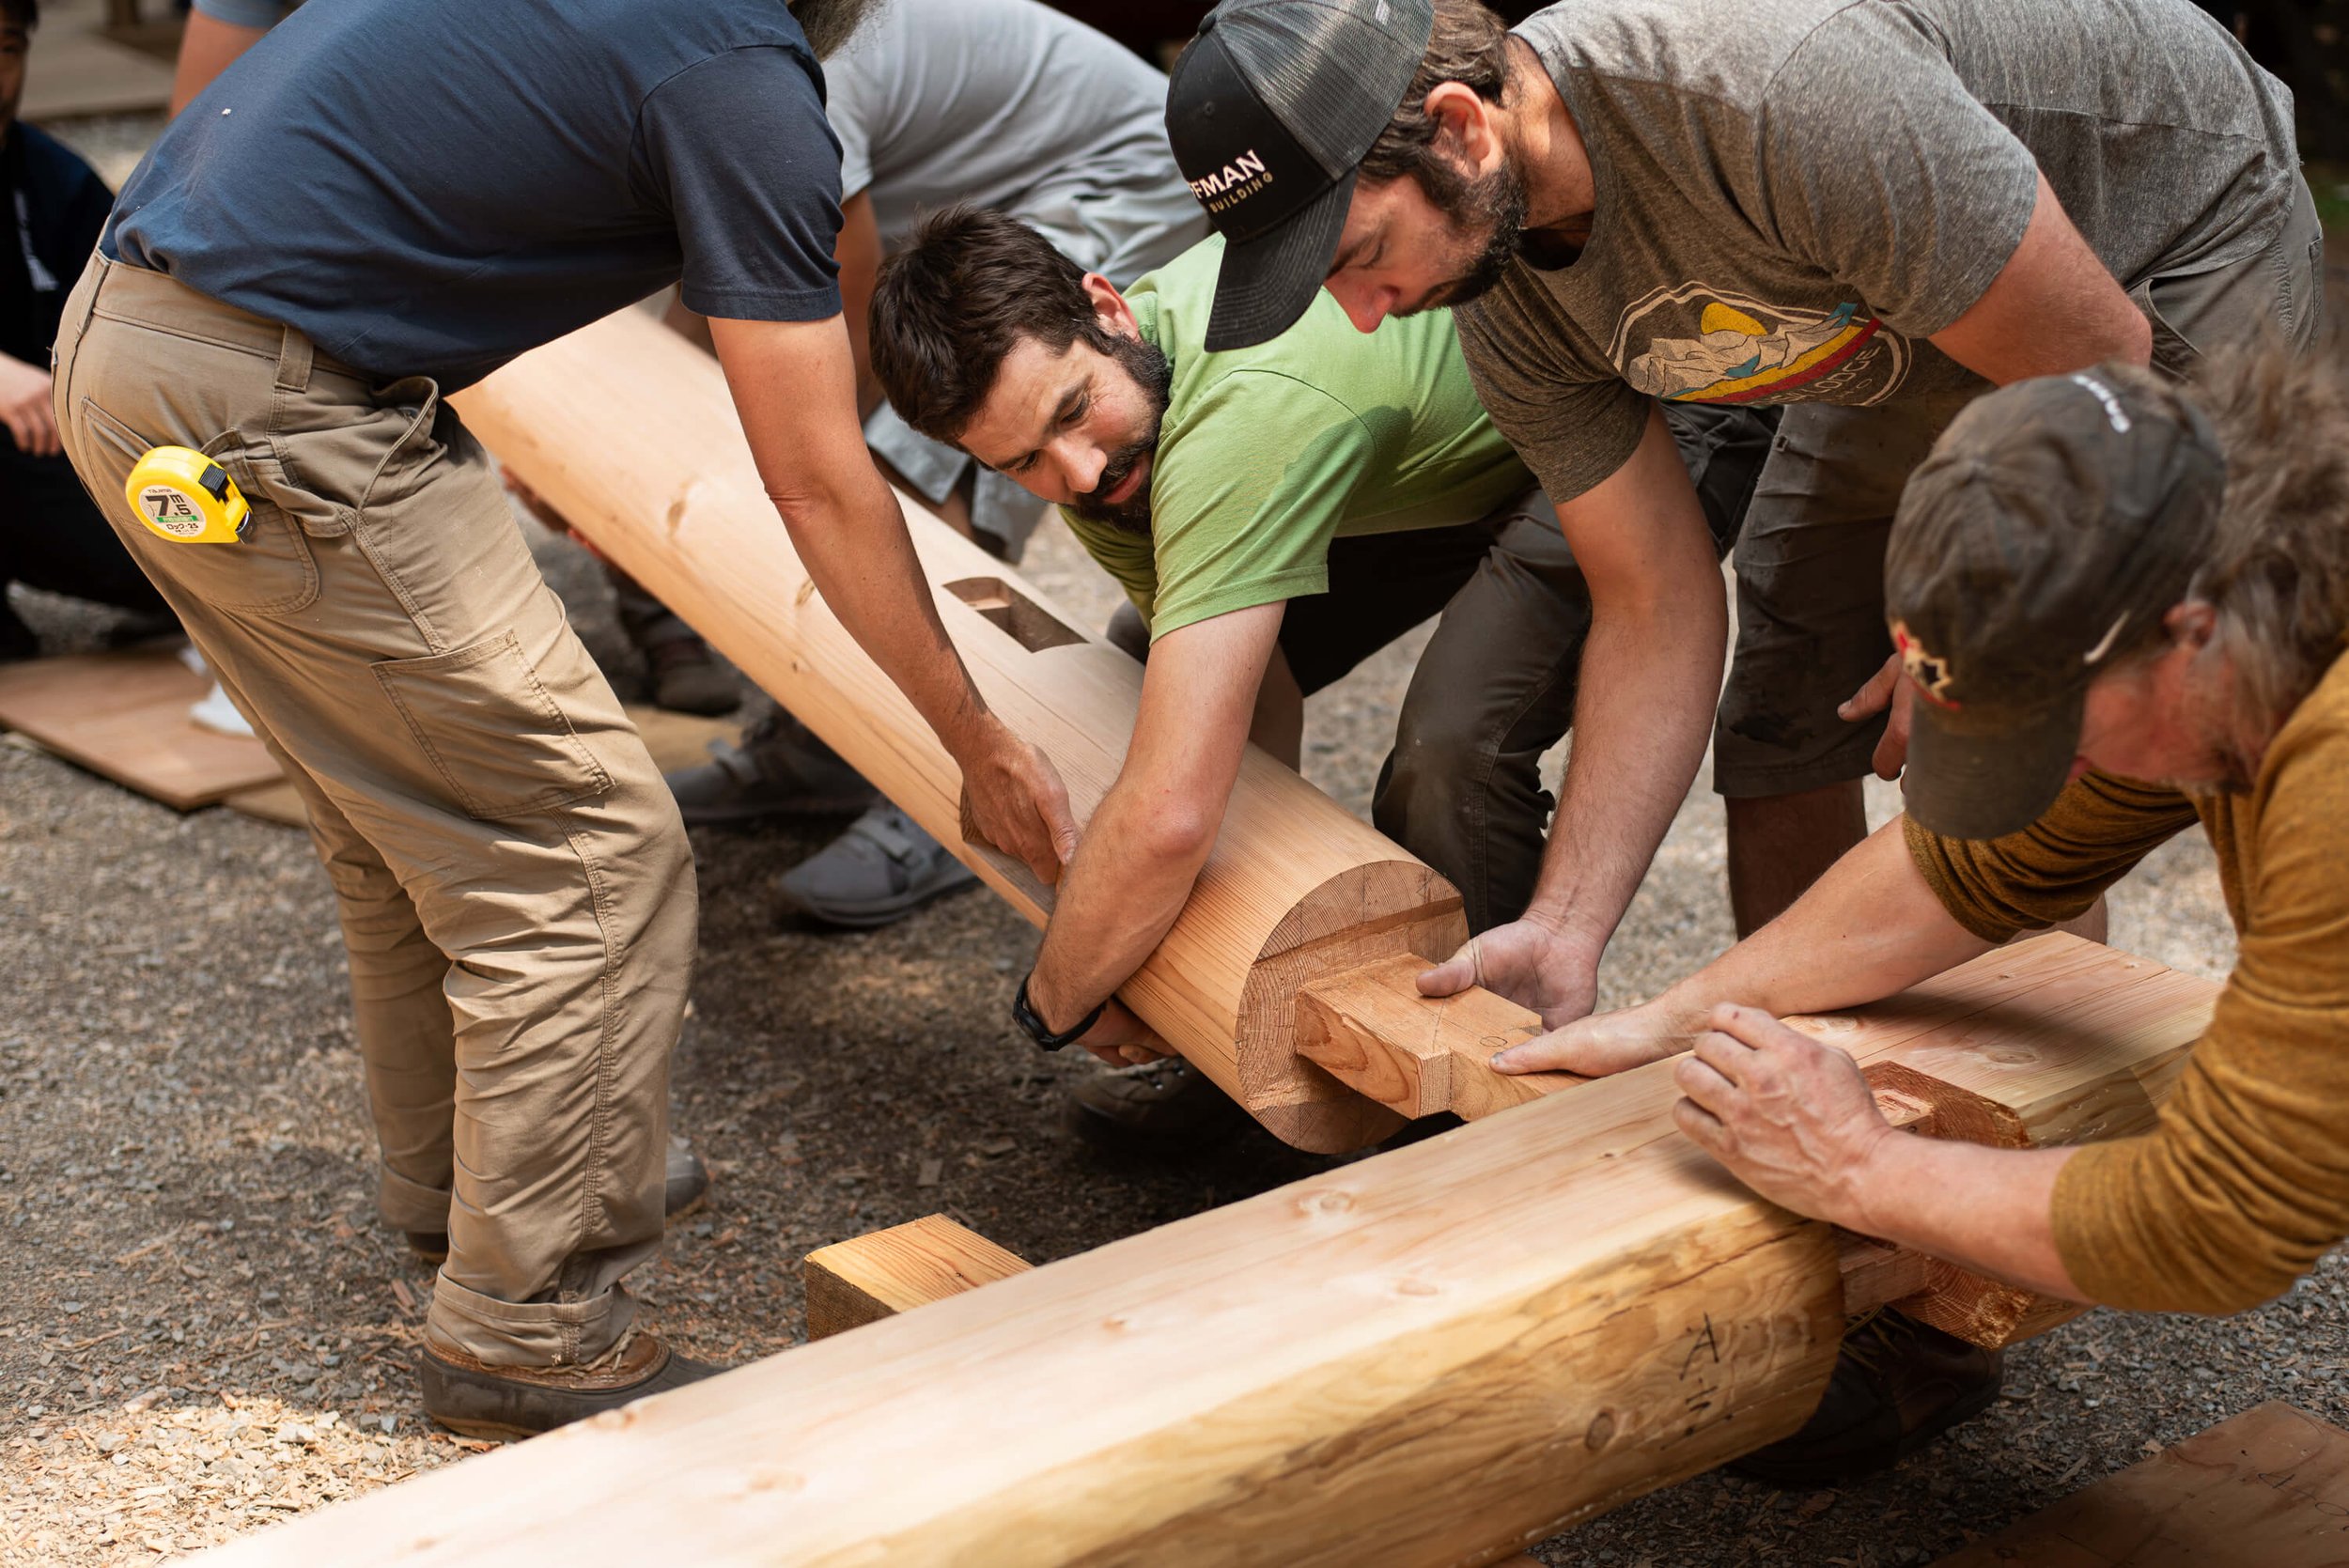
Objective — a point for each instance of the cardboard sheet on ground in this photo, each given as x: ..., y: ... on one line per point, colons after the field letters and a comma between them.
x: 674, y: 739
x: 124, y: 715
x: 78, y: 68
x: 2270, y: 1487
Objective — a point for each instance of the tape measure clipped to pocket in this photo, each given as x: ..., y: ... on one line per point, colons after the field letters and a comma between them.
x: 186, y: 497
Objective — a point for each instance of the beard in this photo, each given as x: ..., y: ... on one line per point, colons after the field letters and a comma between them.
x: 1488, y: 214
x: 830, y: 23
x: 1155, y: 377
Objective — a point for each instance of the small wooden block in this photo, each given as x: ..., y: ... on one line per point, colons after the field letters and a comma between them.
x: 124, y: 715
x: 871, y: 1277
x: 677, y: 740
x: 2269, y: 1487
x: 278, y: 802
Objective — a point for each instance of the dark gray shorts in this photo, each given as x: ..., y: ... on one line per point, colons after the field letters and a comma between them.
x: 1811, y: 559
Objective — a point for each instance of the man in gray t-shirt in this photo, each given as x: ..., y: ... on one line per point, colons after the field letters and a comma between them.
x: 1870, y: 210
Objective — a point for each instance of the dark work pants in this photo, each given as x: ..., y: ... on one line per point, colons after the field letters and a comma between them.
x: 1496, y: 688
x: 53, y: 538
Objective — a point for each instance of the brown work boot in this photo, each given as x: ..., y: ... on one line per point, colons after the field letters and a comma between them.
x: 1160, y: 1108
x: 478, y: 1400
x: 1898, y: 1385
x: 687, y: 677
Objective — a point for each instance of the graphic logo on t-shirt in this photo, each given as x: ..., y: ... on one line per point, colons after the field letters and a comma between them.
x: 1694, y: 344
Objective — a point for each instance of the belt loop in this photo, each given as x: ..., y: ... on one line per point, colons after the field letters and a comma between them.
x: 293, y: 361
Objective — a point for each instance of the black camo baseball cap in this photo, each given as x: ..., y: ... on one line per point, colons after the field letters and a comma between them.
x: 1271, y: 111
x: 2054, y: 525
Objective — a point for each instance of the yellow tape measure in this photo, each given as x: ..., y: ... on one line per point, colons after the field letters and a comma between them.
x: 184, y: 496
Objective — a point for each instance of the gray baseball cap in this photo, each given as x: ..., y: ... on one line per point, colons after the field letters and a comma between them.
x: 2054, y: 525
x: 1271, y: 111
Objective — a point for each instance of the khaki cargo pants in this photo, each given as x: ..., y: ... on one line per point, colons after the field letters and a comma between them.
x: 515, y: 887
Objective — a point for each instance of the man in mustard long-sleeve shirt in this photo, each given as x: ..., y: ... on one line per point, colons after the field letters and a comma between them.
x: 2087, y: 597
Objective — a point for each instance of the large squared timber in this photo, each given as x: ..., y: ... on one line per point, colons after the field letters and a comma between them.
x: 1435, y: 1355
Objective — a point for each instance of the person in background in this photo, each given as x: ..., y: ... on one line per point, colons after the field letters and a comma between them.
x: 51, y: 534
x: 1005, y: 105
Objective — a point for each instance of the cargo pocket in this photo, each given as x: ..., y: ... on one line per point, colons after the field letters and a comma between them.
x: 495, y: 733
x: 2173, y: 353
x: 269, y: 571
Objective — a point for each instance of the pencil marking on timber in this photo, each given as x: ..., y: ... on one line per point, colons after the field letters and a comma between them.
x: 1706, y: 1340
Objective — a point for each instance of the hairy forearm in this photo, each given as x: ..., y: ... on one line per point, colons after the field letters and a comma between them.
x: 1868, y: 929
x: 2002, y: 1226
x: 1648, y: 684
x: 1121, y: 896
x: 1141, y: 854
x: 208, y: 46
x: 793, y: 386
x: 855, y: 546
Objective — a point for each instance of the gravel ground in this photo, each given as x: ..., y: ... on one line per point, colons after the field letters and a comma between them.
x: 205, y: 1329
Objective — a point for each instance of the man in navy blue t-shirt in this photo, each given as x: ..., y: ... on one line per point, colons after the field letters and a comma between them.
x: 378, y: 205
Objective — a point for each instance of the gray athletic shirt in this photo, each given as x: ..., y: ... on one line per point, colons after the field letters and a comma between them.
x: 1008, y: 104
x: 1793, y: 194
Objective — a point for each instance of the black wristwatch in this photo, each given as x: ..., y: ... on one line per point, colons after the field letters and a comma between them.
x: 1025, y: 1015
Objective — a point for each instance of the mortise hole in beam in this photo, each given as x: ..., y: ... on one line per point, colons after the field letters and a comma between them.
x: 1032, y: 627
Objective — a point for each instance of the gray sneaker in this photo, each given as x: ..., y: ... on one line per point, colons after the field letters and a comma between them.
x: 881, y: 869
x: 1160, y: 1108
x: 778, y: 768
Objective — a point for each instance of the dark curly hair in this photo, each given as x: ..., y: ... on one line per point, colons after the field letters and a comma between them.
x: 1469, y: 44
x: 952, y: 305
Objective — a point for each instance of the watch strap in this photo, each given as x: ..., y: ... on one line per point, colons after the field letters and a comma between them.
x: 1023, y: 1013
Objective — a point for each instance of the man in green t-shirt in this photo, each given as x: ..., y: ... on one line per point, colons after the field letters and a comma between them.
x: 1275, y: 515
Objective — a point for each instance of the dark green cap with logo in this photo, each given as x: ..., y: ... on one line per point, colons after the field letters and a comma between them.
x: 2055, y: 524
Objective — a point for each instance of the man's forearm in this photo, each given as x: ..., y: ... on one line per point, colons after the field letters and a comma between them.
x: 2003, y: 1226
x: 857, y: 549
x: 1648, y: 686
x: 1868, y: 929
x: 793, y: 385
x: 1141, y: 854
x: 1122, y: 894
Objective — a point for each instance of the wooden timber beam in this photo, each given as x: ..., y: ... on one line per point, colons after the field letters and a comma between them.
x: 883, y: 1273
x: 627, y: 431
x: 2059, y: 1080
x: 1434, y: 1357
